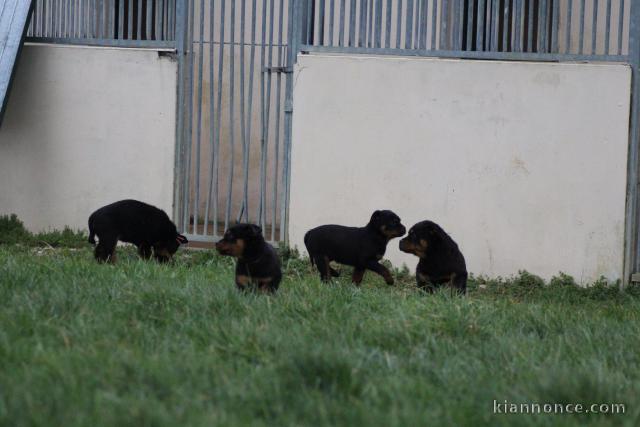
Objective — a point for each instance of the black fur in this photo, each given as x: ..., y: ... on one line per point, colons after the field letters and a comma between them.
x: 359, y: 247
x: 135, y: 222
x: 441, y: 261
x: 258, y: 264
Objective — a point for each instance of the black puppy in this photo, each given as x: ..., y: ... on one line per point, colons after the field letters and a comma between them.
x: 135, y: 222
x: 258, y: 265
x: 441, y: 262
x: 360, y: 247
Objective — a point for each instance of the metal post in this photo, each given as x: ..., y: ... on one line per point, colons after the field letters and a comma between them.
x: 181, y: 51
x: 631, y: 221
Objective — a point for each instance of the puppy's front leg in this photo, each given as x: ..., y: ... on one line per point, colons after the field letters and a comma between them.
x: 376, y: 267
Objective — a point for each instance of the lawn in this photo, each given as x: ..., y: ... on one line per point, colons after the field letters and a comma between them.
x: 145, y: 344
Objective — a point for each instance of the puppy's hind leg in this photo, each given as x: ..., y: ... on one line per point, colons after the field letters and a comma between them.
x: 357, y: 275
x: 459, y: 283
x: 322, y: 262
x: 144, y: 251
x: 106, y: 249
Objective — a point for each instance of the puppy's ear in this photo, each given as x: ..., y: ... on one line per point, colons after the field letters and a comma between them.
x: 255, y: 230
x: 181, y: 239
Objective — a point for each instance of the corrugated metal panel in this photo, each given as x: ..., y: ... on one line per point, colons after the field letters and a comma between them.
x: 14, y: 17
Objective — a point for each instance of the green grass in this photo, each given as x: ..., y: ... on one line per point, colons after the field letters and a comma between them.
x: 172, y: 345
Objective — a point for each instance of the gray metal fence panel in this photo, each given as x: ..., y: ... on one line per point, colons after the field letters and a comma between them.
x: 119, y: 23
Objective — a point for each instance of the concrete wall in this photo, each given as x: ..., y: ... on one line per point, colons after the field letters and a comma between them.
x: 85, y: 127
x: 524, y: 164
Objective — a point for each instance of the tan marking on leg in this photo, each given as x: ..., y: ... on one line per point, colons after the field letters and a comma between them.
x: 357, y: 276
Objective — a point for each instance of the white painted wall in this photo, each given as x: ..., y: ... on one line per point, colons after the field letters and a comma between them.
x: 84, y: 127
x: 524, y: 164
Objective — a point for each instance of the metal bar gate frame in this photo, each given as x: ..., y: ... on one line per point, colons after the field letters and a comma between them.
x: 203, y: 215
x: 518, y: 30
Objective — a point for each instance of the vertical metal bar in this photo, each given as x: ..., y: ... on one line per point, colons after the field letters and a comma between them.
x: 112, y: 19
x: 434, y: 23
x: 157, y: 27
x: 408, y: 25
x: 370, y: 31
x: 518, y: 47
x: 267, y: 114
x: 620, y: 26
x: 378, y: 30
x: 554, y: 28
x: 43, y: 16
x: 495, y: 24
x: 362, y: 28
x: 219, y: 114
x: 480, y: 25
x: 567, y: 36
x: 252, y: 55
x: 506, y: 26
x: 100, y: 20
x: 321, y: 16
x: 352, y: 23
x: 542, y: 26
x: 458, y: 24
x: 342, y: 18
x: 425, y: 28
x: 64, y: 21
x: 469, y: 37
x: 310, y: 21
x: 149, y: 19
x: 212, y: 124
x: 243, y: 129
x: 171, y: 18
x: 189, y: 124
x: 130, y: 34
x: 582, y: 17
x: 455, y: 27
x: 530, y: 31
x: 274, y: 213
x: 196, y: 198
x: 607, y: 29
x: 399, y: 25
x: 121, y: 20
x: 52, y: 28
x: 387, y: 27
x: 139, y: 29
x: 72, y: 27
x: 594, y: 27
x: 332, y: 14
x: 232, y: 31
x: 631, y: 259
x: 294, y: 37
x: 178, y: 175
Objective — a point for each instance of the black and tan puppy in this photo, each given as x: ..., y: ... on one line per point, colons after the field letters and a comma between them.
x: 441, y: 262
x: 360, y: 247
x: 257, y: 265
x: 135, y: 222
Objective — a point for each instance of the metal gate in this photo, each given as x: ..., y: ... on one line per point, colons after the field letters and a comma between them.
x: 234, y: 125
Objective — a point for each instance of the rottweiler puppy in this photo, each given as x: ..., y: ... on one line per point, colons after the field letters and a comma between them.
x: 441, y: 262
x: 257, y: 265
x: 360, y: 247
x: 135, y: 222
